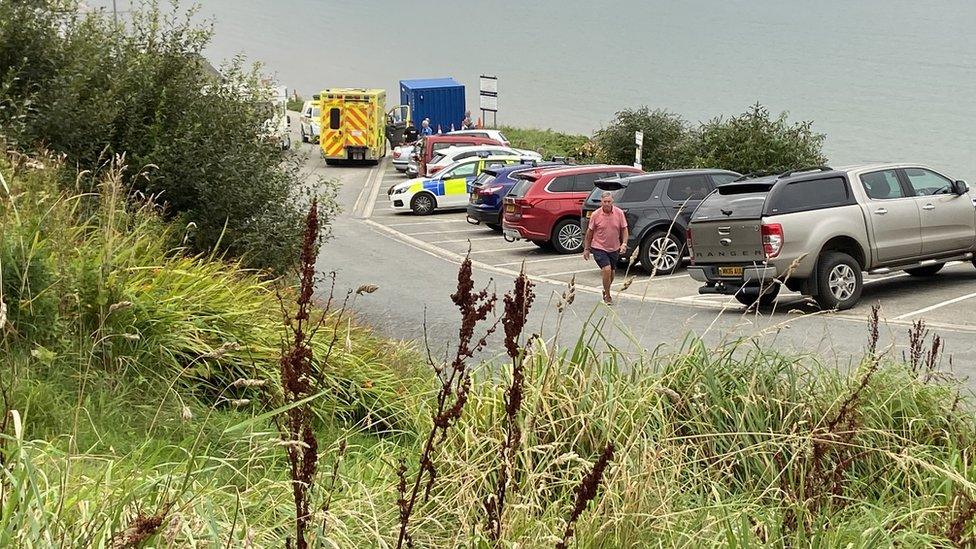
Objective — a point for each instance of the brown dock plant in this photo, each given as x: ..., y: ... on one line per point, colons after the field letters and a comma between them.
x: 455, y: 383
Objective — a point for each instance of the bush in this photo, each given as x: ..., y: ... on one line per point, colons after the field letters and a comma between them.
x: 295, y: 102
x: 91, y: 90
x: 664, y: 134
x: 754, y: 141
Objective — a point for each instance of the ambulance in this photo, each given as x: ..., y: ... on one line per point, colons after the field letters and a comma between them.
x: 353, y: 124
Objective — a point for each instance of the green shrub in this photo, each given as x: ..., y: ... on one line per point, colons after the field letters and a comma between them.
x: 295, y: 103
x: 755, y: 141
x: 80, y: 86
x: 664, y: 134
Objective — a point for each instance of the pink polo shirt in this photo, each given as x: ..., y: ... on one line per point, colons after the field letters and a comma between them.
x: 607, y: 228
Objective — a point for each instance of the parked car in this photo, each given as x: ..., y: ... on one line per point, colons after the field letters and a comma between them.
x: 450, y: 155
x: 446, y: 190
x: 427, y: 146
x: 546, y: 205
x: 311, y: 120
x: 490, y: 188
x: 497, y: 135
x: 658, y: 208
x: 401, y: 157
x: 816, y: 231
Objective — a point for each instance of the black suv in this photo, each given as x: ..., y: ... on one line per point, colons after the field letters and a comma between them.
x: 658, y: 207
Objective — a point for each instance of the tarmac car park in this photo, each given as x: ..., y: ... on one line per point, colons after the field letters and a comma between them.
x: 945, y: 301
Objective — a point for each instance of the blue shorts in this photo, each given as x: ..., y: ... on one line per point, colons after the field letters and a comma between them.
x: 605, y: 259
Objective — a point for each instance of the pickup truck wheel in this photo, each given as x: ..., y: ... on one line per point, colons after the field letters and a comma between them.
x: 839, y: 281
x: 661, y: 253
x: 765, y: 298
x: 304, y: 137
x: 928, y: 270
x: 423, y: 204
x: 567, y: 236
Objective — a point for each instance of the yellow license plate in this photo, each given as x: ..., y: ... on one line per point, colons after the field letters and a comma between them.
x: 509, y: 208
x: 589, y: 214
x: 730, y: 271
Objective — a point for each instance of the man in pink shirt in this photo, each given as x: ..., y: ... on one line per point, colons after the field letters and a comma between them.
x: 606, y: 238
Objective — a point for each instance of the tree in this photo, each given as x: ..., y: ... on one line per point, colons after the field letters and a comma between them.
x: 80, y: 85
x: 755, y: 142
x: 664, y: 133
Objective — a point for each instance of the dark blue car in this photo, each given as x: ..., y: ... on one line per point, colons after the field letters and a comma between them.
x: 488, y: 190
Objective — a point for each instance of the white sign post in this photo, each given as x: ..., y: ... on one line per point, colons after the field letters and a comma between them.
x: 639, y: 140
x: 488, y: 94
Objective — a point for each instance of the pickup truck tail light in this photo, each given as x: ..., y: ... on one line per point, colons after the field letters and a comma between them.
x: 396, y: 154
x: 772, y: 239
x: 688, y: 241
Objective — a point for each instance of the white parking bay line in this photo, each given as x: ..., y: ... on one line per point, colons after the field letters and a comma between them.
x: 936, y: 306
x: 431, y: 222
x: 449, y: 232
x: 577, y: 271
x: 517, y: 263
x: 463, y: 239
x: 532, y: 247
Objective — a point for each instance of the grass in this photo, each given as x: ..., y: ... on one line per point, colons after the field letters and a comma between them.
x: 550, y: 143
x: 125, y: 423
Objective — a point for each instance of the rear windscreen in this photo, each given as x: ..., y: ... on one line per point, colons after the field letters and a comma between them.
x: 732, y: 205
x: 436, y: 158
x: 520, y: 188
x: 484, y: 179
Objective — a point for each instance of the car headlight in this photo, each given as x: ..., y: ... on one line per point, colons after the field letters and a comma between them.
x: 401, y: 190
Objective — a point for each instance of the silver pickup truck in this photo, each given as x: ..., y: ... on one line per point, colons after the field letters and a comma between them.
x: 816, y: 231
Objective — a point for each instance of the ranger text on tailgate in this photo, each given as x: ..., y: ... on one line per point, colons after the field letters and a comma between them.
x: 816, y: 231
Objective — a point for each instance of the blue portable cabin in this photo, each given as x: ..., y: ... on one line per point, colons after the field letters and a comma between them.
x: 440, y: 99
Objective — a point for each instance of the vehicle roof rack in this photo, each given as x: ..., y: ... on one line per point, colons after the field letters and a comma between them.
x: 753, y: 175
x: 811, y: 169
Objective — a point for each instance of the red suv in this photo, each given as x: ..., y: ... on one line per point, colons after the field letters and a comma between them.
x: 546, y: 204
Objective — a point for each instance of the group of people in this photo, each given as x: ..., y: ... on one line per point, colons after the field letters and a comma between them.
x: 411, y: 134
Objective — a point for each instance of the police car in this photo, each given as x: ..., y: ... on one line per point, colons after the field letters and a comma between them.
x: 449, y: 189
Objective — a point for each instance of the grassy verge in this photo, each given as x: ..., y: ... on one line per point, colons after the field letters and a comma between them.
x: 551, y: 143
x: 140, y: 390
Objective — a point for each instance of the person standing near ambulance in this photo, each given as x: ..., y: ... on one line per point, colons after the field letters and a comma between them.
x: 606, y: 238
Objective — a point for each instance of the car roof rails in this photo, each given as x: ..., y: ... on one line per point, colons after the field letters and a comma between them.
x: 810, y: 169
x: 755, y: 174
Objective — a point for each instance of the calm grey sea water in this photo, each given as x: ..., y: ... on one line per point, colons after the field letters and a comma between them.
x: 884, y: 79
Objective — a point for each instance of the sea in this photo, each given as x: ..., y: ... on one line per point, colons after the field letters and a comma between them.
x: 885, y: 80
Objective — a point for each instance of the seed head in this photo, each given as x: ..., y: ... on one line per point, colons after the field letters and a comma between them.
x: 367, y: 289
x: 186, y: 414
x: 119, y: 306
x: 249, y: 383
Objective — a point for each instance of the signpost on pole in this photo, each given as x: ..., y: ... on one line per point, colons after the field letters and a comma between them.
x: 488, y: 93
x: 639, y: 140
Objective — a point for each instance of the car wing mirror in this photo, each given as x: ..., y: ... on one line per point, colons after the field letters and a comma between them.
x: 960, y: 187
